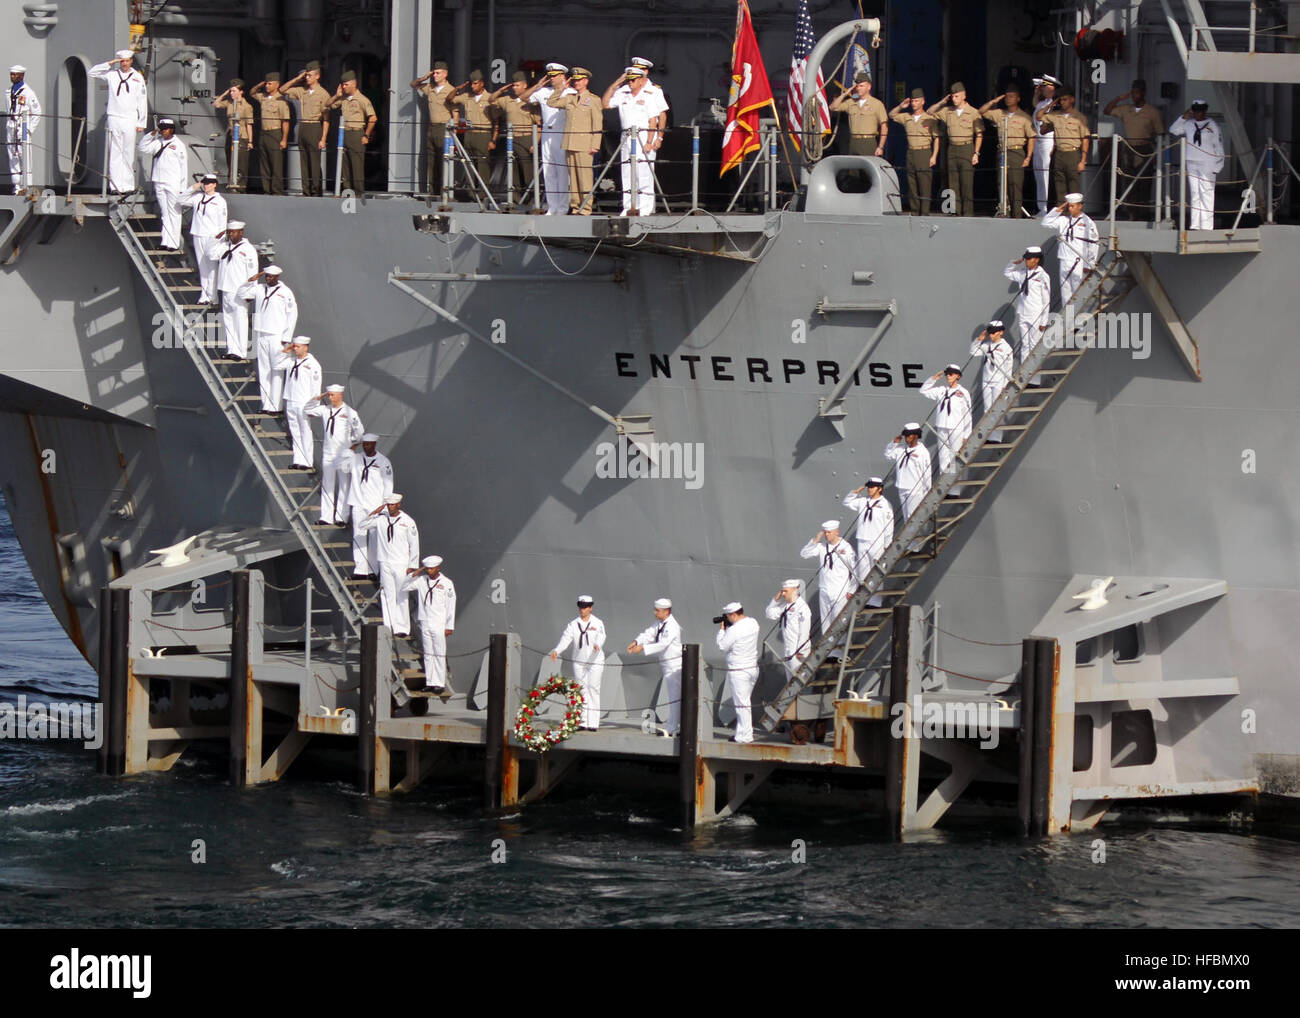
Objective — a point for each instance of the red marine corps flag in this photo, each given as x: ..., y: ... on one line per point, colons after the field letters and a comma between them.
x: 750, y: 92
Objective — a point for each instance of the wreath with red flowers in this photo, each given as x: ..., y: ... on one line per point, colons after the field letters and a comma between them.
x: 526, y: 717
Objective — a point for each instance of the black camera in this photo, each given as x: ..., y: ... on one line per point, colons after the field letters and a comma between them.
x: 720, y: 620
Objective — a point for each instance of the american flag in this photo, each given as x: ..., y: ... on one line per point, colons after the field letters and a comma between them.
x: 803, y: 44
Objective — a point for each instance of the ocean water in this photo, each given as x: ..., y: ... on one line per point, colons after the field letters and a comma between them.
x: 78, y: 850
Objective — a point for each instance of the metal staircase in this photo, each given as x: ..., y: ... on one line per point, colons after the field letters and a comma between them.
x: 840, y: 655
x: 264, y: 436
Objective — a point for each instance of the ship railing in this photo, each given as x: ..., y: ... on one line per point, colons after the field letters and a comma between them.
x: 67, y: 148
x: 772, y: 639
x: 1203, y: 35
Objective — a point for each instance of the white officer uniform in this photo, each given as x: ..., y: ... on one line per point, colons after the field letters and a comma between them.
x: 998, y: 360
x: 911, y: 472
x: 127, y: 114
x: 24, y: 113
x: 837, y: 576
x: 340, y: 430
x: 637, y: 110
x: 398, y: 542
x: 1033, y: 303
x: 555, y: 167
x: 795, y: 618
x: 586, y: 639
x: 1043, y: 146
x: 665, y: 639
x: 1078, y: 249
x: 208, y: 219
x: 952, y: 421
x: 1204, y: 161
x: 740, y: 645
x: 275, y: 317
x: 236, y: 264
x: 168, y: 171
x: 435, y: 610
x: 302, y: 385
x: 370, y: 486
x: 875, y: 528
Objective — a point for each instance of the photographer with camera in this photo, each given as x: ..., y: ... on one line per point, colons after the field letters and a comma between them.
x: 738, y: 639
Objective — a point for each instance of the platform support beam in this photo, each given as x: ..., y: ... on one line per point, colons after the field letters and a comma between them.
x: 688, y: 739
x: 1025, y: 791
x: 241, y: 684
x: 368, y: 747
x: 500, y: 760
x: 1048, y: 750
x: 903, y: 753
x: 119, y: 666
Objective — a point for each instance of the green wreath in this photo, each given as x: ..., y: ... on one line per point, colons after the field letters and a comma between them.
x: 525, y: 717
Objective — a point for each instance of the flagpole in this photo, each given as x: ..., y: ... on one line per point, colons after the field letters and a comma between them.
x: 785, y: 147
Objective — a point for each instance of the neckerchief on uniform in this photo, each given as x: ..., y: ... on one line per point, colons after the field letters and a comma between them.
x: 123, y: 82
x: 392, y: 522
x: 267, y: 299
x: 582, y: 638
x: 333, y: 415
x: 366, y: 467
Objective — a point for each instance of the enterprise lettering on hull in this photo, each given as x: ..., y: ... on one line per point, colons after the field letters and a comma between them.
x: 879, y: 374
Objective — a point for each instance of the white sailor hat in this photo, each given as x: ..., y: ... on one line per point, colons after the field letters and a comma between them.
x: 1033, y: 251
x: 911, y: 426
x: 393, y: 499
x: 586, y: 599
x: 1073, y: 197
x: 370, y: 436
x: 429, y: 561
x: 875, y: 482
x: 643, y: 63
x: 334, y: 388
x: 788, y: 584
x: 831, y: 525
x: 952, y: 369
x: 663, y: 602
x: 273, y: 270
x: 731, y: 607
x: 125, y: 54
x: 18, y: 69
x: 554, y: 68
x: 211, y: 178
x: 166, y: 122
x: 633, y: 72
x: 302, y: 340
x: 996, y: 325
x: 235, y: 224
x: 1200, y: 102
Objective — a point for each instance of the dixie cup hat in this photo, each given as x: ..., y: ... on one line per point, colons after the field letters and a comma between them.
x: 1073, y: 198
x: 273, y: 270
x: 429, y: 561
x: 18, y: 69
x: 831, y: 525
x: 911, y: 428
x: 790, y: 585
x: 334, y: 388
x: 235, y: 224
x: 210, y: 178
x: 125, y: 54
x: 731, y: 607
x: 875, y: 482
x: 952, y: 369
x: 370, y: 436
x: 663, y: 602
x: 585, y: 599
x: 1033, y: 251
x: 393, y: 499
x: 996, y: 325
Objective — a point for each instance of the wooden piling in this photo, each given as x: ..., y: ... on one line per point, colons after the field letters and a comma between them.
x: 1025, y: 791
x: 494, y: 743
x: 367, y: 708
x: 1044, y: 711
x: 688, y: 736
x: 896, y: 748
x: 105, y: 668
x: 119, y: 659
x: 239, y: 677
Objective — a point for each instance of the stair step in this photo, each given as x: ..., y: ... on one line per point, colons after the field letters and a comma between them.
x: 278, y: 452
x: 148, y: 233
x: 301, y: 491
x: 173, y: 268
x: 241, y: 378
x: 336, y: 544
x: 1052, y: 371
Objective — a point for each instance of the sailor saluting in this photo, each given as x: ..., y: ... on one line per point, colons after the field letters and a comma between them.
x: 371, y: 485
x: 128, y: 115
x: 837, y: 577
x: 952, y: 419
x: 586, y: 635
x: 206, y: 224
x: 792, y: 612
x: 398, y: 541
x: 1035, y: 298
x: 435, y: 608
x: 1079, y: 242
x: 911, y: 467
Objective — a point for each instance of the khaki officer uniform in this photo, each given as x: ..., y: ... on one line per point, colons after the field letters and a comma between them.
x: 243, y: 114
x: 965, y: 129
x: 866, y: 117
x: 357, y: 113
x: 478, y: 115
x: 313, y: 111
x: 1070, y: 130
x: 439, y: 117
x: 521, y: 117
x: 1015, y: 133
x: 1141, y: 128
x: 921, y: 135
x: 584, y: 120
x: 273, y: 139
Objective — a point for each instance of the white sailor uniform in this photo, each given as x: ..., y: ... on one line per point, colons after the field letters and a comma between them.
x: 740, y: 645
x: 952, y: 421
x: 912, y: 474
x: 127, y: 114
x: 340, y: 430
x: 302, y: 384
x: 236, y: 263
x: 665, y: 639
x: 555, y: 166
x: 370, y: 484
x: 398, y: 543
x: 795, y: 618
x: 1043, y: 147
x: 836, y: 579
x: 1033, y: 303
x: 1204, y: 161
x: 1078, y: 249
x: 435, y: 610
x: 209, y: 219
x: 169, y: 170
x: 275, y: 319
x: 998, y: 365
x: 637, y: 110
x: 24, y: 113
x: 586, y: 639
x: 875, y: 529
